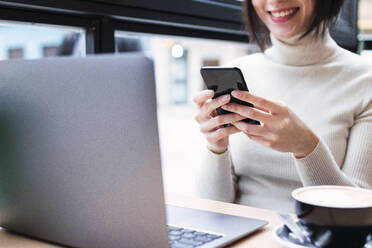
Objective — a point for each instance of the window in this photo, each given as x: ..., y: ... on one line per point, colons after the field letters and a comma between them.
x: 50, y: 51
x: 365, y: 27
x: 180, y: 35
x: 178, y: 74
x: 15, y: 53
x: 31, y: 41
x: 177, y: 63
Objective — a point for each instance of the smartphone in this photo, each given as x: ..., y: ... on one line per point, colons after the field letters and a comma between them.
x: 223, y: 80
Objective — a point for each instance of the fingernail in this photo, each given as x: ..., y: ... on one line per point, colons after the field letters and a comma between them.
x: 235, y: 93
x: 209, y: 93
x: 226, y: 98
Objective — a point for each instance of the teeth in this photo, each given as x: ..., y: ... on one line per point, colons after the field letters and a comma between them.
x: 283, y: 13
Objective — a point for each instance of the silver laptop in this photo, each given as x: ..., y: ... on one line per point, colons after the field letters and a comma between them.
x: 80, y: 160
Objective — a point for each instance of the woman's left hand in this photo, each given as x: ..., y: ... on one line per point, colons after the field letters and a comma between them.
x: 280, y: 128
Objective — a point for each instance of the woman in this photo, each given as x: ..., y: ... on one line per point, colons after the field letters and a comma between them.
x: 314, y: 100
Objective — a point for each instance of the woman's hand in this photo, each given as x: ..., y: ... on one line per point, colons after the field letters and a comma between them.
x: 281, y: 129
x: 211, y: 124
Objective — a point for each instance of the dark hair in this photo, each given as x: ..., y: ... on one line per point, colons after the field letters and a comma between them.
x: 325, y: 13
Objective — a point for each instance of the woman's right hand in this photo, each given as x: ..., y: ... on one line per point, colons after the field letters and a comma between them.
x: 211, y: 124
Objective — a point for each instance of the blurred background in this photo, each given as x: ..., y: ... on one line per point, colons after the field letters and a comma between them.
x: 178, y: 59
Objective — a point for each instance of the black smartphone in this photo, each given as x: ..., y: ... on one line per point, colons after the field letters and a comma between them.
x: 223, y: 80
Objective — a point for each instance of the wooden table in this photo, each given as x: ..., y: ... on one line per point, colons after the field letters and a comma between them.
x: 263, y: 238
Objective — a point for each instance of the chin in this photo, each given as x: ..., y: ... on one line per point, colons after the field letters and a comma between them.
x: 285, y: 35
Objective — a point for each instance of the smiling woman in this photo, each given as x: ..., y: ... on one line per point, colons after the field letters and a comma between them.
x: 308, y: 135
x: 288, y: 18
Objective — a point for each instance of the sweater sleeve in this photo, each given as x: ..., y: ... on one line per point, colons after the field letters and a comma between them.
x: 215, y: 178
x: 320, y: 167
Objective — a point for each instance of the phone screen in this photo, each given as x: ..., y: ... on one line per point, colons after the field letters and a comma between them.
x: 223, y: 80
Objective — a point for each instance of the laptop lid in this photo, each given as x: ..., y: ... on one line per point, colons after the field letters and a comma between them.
x: 79, y: 151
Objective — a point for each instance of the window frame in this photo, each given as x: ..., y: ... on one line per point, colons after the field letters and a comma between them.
x: 210, y: 19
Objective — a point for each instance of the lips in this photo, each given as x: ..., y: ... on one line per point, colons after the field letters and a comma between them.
x: 283, y: 15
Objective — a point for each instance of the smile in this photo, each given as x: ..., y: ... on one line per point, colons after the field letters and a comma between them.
x: 283, y: 15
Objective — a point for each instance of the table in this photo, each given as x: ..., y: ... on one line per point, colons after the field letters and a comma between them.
x: 263, y: 238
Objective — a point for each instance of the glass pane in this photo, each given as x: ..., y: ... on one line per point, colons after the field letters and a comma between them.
x: 365, y: 16
x: 32, y: 41
x: 177, y: 64
x: 365, y: 27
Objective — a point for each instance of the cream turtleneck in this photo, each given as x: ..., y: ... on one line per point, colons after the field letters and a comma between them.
x: 330, y: 89
x: 302, y: 52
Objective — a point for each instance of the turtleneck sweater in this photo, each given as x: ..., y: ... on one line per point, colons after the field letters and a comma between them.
x: 328, y: 88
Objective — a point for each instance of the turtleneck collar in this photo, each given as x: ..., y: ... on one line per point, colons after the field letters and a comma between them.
x: 309, y: 50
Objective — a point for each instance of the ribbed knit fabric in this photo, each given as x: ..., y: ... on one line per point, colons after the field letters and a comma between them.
x: 330, y: 89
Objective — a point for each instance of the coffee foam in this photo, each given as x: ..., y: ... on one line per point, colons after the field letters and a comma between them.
x: 334, y: 196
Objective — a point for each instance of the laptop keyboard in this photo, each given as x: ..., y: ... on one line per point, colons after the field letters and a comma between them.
x: 187, y: 238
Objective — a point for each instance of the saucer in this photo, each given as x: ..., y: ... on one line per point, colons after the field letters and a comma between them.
x: 284, y: 236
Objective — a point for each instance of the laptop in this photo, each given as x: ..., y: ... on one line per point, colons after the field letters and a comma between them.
x: 80, y: 158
